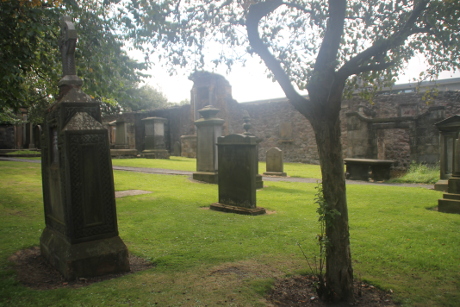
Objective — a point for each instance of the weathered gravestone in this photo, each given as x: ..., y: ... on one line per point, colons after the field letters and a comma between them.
x: 209, y: 128
x: 155, y: 147
x: 81, y: 234
x: 450, y: 203
x: 237, y: 160
x: 121, y: 147
x: 274, y: 162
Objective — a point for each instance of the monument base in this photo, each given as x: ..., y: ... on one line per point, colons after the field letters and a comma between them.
x: 238, y: 210
x: 450, y: 203
x: 280, y: 174
x: 125, y: 153
x: 208, y: 177
x: 86, y: 259
x: 441, y: 185
x: 155, y: 154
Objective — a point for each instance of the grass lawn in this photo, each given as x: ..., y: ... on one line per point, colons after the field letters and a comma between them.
x: 204, y: 257
x: 186, y: 164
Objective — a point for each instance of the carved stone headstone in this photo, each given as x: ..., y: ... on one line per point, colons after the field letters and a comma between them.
x: 274, y: 162
x: 209, y: 128
x: 450, y: 203
x: 237, y: 160
x: 81, y: 234
x: 155, y: 147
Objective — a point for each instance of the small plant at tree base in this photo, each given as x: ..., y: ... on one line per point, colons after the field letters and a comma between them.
x: 324, y: 214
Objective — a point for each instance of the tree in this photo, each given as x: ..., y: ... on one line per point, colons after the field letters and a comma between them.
x: 30, y: 57
x: 144, y: 98
x: 320, y: 46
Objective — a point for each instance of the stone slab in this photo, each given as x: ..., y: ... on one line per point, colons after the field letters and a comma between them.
x: 237, y: 209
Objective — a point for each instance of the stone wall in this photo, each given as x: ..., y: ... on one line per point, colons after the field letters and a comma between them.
x: 278, y: 124
x: 7, y: 137
x: 394, y: 127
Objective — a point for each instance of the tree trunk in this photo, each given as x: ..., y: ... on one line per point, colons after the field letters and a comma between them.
x: 339, y: 272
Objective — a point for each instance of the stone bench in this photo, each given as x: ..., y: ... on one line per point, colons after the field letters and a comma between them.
x: 368, y: 169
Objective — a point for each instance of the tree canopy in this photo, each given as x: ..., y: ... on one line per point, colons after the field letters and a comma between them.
x: 30, y: 58
x: 319, y: 45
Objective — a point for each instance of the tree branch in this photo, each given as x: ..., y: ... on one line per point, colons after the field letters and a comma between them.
x: 255, y: 14
x: 383, y: 46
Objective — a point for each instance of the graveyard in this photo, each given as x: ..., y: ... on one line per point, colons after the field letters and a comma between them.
x: 204, y: 257
x: 191, y: 216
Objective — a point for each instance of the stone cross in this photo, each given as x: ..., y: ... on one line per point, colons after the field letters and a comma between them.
x: 67, y: 44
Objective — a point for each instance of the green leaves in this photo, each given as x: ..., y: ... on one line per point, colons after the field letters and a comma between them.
x: 30, y: 59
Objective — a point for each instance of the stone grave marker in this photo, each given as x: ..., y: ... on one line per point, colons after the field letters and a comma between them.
x: 237, y: 160
x: 81, y: 234
x: 155, y: 147
x: 274, y: 158
x: 209, y: 128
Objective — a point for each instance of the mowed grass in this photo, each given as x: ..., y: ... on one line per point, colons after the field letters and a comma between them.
x: 187, y: 164
x: 202, y: 257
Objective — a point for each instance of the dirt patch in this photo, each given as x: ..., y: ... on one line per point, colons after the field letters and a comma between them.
x: 301, y: 291
x: 119, y: 194
x: 35, y: 272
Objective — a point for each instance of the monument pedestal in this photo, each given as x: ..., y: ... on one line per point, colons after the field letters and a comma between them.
x: 209, y: 128
x: 85, y: 259
x: 441, y: 185
x: 450, y: 203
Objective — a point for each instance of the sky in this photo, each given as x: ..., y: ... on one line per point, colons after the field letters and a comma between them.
x: 250, y: 83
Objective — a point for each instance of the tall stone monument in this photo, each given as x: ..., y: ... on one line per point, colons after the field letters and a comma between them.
x: 81, y: 234
x: 450, y: 203
x: 209, y: 128
x: 155, y: 147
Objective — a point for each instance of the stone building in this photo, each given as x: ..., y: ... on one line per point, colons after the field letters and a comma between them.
x: 398, y: 125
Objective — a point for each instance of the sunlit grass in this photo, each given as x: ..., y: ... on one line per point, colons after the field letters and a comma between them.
x: 396, y: 242
x: 188, y: 164
x: 419, y: 173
